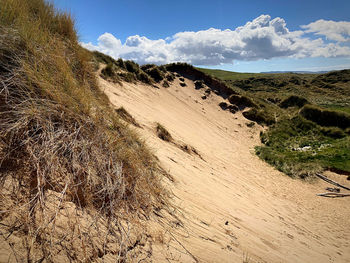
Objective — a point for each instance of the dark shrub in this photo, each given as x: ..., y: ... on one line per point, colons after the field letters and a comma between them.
x: 333, y: 132
x: 120, y: 63
x: 170, y: 77
x: 142, y: 76
x: 155, y: 74
x: 232, y: 108
x: 259, y: 116
x: 148, y: 66
x: 293, y: 101
x: 182, y: 79
x: 108, y: 71
x: 223, y: 105
x: 127, y: 76
x: 326, y: 117
x: 199, y: 84
x: 242, y: 101
x: 131, y: 66
x: 183, y: 84
x: 162, y: 68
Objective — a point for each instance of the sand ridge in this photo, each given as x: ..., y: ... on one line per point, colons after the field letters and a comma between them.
x: 229, y: 202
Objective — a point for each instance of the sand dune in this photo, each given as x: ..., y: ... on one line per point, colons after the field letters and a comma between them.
x: 228, y: 202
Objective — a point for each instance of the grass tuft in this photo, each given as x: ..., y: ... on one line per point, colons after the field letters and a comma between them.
x: 126, y: 116
x: 163, y: 133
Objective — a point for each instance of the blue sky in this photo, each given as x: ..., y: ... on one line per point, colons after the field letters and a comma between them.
x: 151, y: 31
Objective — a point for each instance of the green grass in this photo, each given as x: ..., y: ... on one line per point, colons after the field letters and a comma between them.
x: 279, y: 97
x: 228, y: 75
x: 299, y: 147
x: 343, y: 108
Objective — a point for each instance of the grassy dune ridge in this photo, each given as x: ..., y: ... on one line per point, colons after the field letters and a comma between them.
x: 61, y: 142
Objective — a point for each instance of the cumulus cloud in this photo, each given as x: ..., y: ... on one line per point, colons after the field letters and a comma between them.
x: 262, y: 38
x: 337, y: 31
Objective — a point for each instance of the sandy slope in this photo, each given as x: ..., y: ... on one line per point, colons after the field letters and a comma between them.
x: 230, y: 202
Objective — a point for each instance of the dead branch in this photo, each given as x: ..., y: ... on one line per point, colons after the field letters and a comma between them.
x: 332, y: 182
x: 333, y: 195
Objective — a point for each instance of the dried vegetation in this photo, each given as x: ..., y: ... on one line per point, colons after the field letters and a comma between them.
x: 74, y: 180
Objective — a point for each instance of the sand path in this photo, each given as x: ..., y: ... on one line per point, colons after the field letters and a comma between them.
x: 230, y: 202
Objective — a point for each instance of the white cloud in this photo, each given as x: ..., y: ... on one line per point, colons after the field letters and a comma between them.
x: 337, y: 31
x: 262, y: 38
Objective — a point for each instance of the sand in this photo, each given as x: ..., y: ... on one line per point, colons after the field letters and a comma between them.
x: 229, y: 204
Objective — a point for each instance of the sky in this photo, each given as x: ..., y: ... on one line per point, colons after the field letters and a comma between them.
x: 242, y: 36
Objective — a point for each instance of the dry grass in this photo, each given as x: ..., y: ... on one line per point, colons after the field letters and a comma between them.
x: 163, y: 133
x: 61, y: 145
x: 126, y: 116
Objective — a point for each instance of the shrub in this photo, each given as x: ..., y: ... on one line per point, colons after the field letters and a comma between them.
x: 166, y: 84
x: 131, y: 66
x: 163, y: 134
x: 325, y: 117
x: 182, y: 79
x: 258, y: 115
x: 232, y: 108
x: 127, y: 76
x: 170, y: 76
x: 179, y: 66
x: 293, y: 101
x: 333, y: 132
x: 155, y: 74
x: 148, y: 66
x: 162, y: 68
x: 199, y: 84
x: 108, y: 71
x: 242, y: 101
x: 250, y: 124
x: 142, y: 76
x: 183, y: 84
x: 223, y: 105
x: 120, y: 63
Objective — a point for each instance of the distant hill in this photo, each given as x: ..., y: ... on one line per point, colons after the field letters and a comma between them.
x: 298, y: 72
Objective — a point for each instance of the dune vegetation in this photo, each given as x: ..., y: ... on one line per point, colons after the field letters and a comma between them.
x: 63, y: 148
x: 307, y: 117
